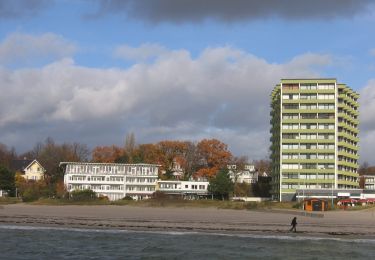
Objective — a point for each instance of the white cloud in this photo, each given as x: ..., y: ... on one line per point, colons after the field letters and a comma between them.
x: 367, y: 121
x: 142, y: 53
x: 26, y: 48
x: 223, y: 93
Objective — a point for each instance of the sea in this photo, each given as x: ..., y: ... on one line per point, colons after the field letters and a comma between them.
x: 24, y: 242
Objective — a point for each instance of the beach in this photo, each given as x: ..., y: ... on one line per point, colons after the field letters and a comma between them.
x: 358, y: 224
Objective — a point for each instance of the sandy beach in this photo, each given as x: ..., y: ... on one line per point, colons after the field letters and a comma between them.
x: 336, y: 223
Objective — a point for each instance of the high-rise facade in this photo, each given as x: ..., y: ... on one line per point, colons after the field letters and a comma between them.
x: 314, y: 136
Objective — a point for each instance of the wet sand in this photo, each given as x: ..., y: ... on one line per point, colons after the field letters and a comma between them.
x: 337, y: 223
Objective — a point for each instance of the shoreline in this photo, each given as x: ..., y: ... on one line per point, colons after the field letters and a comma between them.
x: 344, y: 225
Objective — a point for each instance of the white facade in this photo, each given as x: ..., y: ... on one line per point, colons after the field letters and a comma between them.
x: 3, y: 193
x: 369, y: 182
x: 247, y: 175
x: 112, y: 180
x: 183, y: 188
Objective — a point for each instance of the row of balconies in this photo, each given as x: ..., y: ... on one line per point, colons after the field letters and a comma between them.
x: 110, y: 182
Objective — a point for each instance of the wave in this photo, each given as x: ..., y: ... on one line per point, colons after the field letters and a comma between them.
x: 293, y: 237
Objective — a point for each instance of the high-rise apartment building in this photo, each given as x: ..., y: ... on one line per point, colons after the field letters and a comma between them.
x: 314, y: 136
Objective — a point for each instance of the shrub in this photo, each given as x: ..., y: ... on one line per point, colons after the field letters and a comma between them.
x: 159, y: 195
x: 297, y: 205
x: 252, y: 205
x: 127, y: 198
x: 30, y: 194
x: 82, y: 195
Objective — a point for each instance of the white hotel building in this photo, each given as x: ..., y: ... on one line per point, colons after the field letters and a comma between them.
x: 185, y: 189
x: 112, y: 180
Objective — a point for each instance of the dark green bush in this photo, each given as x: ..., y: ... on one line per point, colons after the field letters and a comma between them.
x: 82, y: 195
x: 30, y: 194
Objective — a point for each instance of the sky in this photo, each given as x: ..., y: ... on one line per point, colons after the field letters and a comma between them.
x: 92, y: 71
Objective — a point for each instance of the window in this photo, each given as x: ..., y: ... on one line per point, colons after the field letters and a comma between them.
x: 308, y: 96
x: 290, y: 156
x: 326, y: 116
x: 307, y: 176
x: 307, y: 156
x: 290, y: 87
x: 290, y: 136
x: 308, y: 136
x: 290, y: 126
x: 308, y: 106
x: 290, y: 96
x: 308, y: 166
x: 326, y: 136
x: 308, y: 86
x: 326, y: 96
x: 326, y: 86
x: 326, y: 166
x: 326, y: 126
x: 326, y: 106
x: 326, y: 146
x: 308, y: 146
x: 308, y: 126
x: 290, y: 146
x: 290, y: 166
x: 308, y: 116
x: 290, y: 176
x: 326, y: 156
x: 290, y: 116
x: 289, y: 186
x: 290, y: 106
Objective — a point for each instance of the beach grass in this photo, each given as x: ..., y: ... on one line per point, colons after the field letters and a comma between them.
x: 9, y: 200
x: 176, y: 203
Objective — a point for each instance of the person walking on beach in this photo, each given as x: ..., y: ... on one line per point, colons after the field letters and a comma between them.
x: 294, y: 225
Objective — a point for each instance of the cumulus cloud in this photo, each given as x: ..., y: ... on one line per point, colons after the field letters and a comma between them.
x: 221, y: 93
x: 368, y: 106
x: 144, y: 52
x: 20, y: 48
x: 14, y: 9
x: 367, y: 121
x: 230, y: 11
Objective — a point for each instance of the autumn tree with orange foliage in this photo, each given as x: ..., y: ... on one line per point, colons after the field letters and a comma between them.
x: 171, y: 151
x: 106, y: 154
x: 147, y: 153
x: 213, y: 156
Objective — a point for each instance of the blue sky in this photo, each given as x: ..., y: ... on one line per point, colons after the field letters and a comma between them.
x: 92, y: 71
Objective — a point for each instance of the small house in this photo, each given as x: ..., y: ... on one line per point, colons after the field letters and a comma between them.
x: 29, y: 169
x: 315, y: 204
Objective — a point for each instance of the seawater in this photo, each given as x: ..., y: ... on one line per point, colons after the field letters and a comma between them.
x: 22, y: 242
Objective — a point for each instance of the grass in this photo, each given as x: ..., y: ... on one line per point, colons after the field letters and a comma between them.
x: 162, y: 202
x: 9, y: 200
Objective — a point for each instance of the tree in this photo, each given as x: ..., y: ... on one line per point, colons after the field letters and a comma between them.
x: 6, y: 155
x: 147, y: 153
x: 50, y: 154
x: 221, y: 185
x: 262, y: 187
x: 106, y: 154
x: 130, y: 147
x: 191, y: 160
x: 213, y: 155
x: 363, y: 168
x: 171, y: 151
x: 7, y: 181
x: 262, y: 166
x: 243, y: 189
